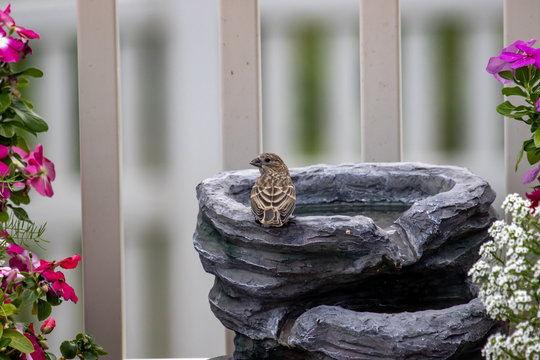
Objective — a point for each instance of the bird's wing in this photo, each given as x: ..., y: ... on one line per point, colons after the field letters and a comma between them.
x: 287, y: 201
x: 258, y: 201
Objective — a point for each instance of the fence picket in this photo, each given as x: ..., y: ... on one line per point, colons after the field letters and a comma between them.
x: 99, y: 105
x: 380, y: 80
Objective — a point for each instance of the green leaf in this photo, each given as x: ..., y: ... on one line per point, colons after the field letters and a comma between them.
x: 33, y: 121
x: 4, y: 341
x: 4, y: 357
x: 68, y: 349
x: 53, y: 300
x: 8, y: 310
x: 33, y: 72
x: 6, y: 130
x: 44, y: 309
x: 29, y: 296
x: 19, y: 341
x: 537, y: 138
x: 21, y: 214
x: 90, y: 355
x: 505, y: 108
x: 533, y: 156
x: 506, y: 75
x: 50, y: 356
x: 4, y: 216
x: 100, y: 350
x: 22, y: 82
x: 29, y: 283
x: 5, y: 101
x: 516, y: 90
x: 522, y: 75
x: 18, y: 197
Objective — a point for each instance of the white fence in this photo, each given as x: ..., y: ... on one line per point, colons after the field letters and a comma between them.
x: 170, y: 92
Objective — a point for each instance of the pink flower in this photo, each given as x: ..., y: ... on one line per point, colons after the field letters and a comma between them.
x: 537, y: 105
x: 48, y: 325
x: 24, y: 32
x: 514, y: 56
x: 534, y: 197
x: 4, y: 188
x: 24, y: 261
x: 62, y: 287
x: 15, y: 249
x: 70, y: 263
x: 10, y: 48
x: 4, y: 171
x: 5, y: 17
x: 525, y: 56
x: 41, y: 169
x: 38, y: 353
x: 57, y: 278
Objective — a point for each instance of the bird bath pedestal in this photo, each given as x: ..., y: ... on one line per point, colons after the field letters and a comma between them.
x: 373, y: 266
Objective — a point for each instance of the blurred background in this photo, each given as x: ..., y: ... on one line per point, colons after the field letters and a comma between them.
x: 171, y: 128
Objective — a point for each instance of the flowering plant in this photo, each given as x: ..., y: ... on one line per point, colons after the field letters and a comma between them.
x: 508, y: 273
x: 519, y: 65
x: 27, y: 283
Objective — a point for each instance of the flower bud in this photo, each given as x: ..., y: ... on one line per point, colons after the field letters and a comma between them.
x: 48, y: 325
x: 44, y: 345
x: 12, y: 275
x: 44, y: 287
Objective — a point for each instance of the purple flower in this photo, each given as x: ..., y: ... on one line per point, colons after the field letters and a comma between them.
x: 525, y: 57
x: 516, y: 55
x: 530, y: 175
x: 537, y: 104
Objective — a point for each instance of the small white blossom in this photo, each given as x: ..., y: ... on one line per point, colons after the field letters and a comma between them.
x: 508, y: 273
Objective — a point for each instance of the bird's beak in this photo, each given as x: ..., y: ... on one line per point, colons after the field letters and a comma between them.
x: 255, y: 162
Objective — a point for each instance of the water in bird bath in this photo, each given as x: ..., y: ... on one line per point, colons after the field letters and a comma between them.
x: 382, y: 214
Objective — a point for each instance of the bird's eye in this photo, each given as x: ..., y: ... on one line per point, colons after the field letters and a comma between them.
x: 267, y: 160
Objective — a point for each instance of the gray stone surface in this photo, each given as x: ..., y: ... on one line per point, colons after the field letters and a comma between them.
x: 409, y: 255
x: 429, y: 334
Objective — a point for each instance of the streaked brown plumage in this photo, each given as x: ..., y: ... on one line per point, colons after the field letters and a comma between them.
x: 273, y: 195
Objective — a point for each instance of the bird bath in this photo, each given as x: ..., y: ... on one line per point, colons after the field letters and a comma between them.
x: 373, y: 266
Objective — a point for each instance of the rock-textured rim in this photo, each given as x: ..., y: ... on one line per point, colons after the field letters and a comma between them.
x: 438, y: 195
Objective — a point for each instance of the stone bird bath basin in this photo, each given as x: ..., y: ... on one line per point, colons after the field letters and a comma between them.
x: 373, y: 266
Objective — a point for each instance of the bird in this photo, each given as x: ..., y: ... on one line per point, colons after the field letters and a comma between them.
x: 273, y: 196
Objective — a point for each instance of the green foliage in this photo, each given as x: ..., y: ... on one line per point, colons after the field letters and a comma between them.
x: 527, y: 86
x: 83, y: 347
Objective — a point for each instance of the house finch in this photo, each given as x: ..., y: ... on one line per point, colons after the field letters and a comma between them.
x: 273, y: 195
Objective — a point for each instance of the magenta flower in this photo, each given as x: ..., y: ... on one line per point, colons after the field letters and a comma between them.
x: 57, y: 278
x: 534, y: 197
x: 38, y: 353
x: 41, y: 169
x: 22, y: 259
x: 10, y: 48
x: 48, y: 325
x: 4, y: 188
x: 525, y: 57
x: 5, y: 17
x: 516, y: 55
x: 537, y: 105
x: 24, y: 32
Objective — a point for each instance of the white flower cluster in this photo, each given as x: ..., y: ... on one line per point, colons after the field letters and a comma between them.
x: 508, y: 273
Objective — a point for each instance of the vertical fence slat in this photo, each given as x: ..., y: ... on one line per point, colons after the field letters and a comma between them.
x: 97, y: 38
x: 240, y: 82
x: 240, y: 89
x: 380, y: 80
x: 520, y: 23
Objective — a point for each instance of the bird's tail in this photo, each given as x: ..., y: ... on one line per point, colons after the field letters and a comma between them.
x: 271, y: 218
